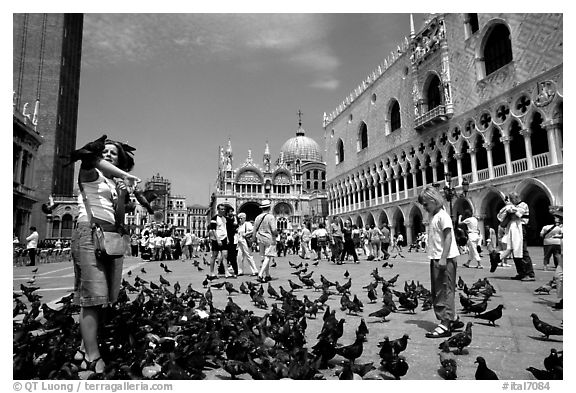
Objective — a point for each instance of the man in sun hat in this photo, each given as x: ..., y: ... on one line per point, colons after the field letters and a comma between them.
x: 266, y: 232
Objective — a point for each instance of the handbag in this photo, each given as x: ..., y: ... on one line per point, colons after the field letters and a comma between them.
x: 107, y: 244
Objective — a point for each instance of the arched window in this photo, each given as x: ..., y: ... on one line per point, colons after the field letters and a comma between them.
x: 362, y: 137
x: 315, y: 174
x: 498, y: 49
x: 339, y: 151
x: 433, y: 96
x: 67, y: 226
x: 395, y: 116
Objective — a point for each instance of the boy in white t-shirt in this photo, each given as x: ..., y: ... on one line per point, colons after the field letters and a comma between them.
x: 442, y: 252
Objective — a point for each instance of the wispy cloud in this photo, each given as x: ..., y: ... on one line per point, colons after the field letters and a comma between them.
x: 300, y: 39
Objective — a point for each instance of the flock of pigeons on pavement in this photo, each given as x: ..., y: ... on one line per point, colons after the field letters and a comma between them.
x: 159, y: 330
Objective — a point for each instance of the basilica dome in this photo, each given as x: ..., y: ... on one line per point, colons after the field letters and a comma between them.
x: 301, y: 147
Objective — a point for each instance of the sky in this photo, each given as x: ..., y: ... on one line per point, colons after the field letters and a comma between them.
x: 177, y: 86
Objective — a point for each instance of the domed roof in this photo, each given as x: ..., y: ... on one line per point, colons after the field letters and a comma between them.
x: 301, y: 147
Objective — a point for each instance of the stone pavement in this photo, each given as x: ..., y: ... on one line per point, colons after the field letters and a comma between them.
x: 509, y: 348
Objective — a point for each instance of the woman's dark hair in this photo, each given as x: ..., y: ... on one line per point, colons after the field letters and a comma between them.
x: 467, y: 213
x: 125, y: 160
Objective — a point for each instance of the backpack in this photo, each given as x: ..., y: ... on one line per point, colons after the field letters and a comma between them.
x: 461, y: 233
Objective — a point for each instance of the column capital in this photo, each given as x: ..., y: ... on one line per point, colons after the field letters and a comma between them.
x: 525, y: 132
x: 488, y: 146
x: 505, y: 139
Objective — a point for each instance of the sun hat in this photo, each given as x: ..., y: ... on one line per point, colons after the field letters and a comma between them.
x: 265, y: 203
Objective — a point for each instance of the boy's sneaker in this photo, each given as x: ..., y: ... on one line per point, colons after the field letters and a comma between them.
x: 528, y: 278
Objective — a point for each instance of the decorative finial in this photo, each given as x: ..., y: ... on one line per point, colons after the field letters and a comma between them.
x: 300, y: 118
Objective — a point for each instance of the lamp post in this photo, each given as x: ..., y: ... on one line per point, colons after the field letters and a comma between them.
x: 450, y: 191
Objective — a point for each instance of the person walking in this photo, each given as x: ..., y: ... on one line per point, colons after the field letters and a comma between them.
x: 473, y: 232
x: 349, y: 248
x: 336, y: 240
x: 552, y: 239
x: 32, y: 245
x: 219, y: 242
x: 231, y: 226
x: 245, y: 234
x: 103, y: 178
x: 442, y: 253
x: 385, y: 240
x: 134, y: 242
x: 375, y: 243
x: 514, y: 216
x: 321, y: 236
x: 305, y: 242
x: 266, y: 232
x: 187, y: 251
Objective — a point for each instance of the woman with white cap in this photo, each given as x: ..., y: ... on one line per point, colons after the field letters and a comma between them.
x: 245, y: 231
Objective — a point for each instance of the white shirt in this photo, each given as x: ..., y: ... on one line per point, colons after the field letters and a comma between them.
x: 101, y: 194
x: 32, y: 240
x: 439, y: 222
x: 221, y: 233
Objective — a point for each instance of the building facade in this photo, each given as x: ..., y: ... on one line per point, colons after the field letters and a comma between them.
x: 478, y: 97
x: 295, y: 183
x: 47, y: 50
x: 198, y: 219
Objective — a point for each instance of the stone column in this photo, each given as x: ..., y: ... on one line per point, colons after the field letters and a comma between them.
x: 390, y: 190
x: 382, y: 190
x: 414, y: 182
x: 458, y: 158
x: 554, y: 143
x: 423, y: 173
x: 528, y: 147
x: 488, y: 147
x: 397, y: 180
x: 472, y: 152
x: 434, y: 172
x: 405, y: 179
x: 480, y: 218
x: 409, y: 236
x: 506, y: 141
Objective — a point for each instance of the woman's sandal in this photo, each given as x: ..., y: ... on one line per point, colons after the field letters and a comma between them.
x: 87, y: 365
x: 439, y: 332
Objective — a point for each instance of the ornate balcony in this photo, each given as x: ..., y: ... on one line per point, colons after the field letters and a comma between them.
x: 434, y: 116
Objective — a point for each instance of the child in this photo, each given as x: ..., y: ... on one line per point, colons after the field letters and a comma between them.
x: 215, y: 249
x: 442, y: 252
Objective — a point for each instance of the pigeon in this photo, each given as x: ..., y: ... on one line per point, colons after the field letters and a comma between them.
x: 448, y: 362
x: 326, y: 282
x: 272, y: 292
x: 219, y: 285
x: 146, y: 197
x: 382, y: 313
x: 143, y: 271
x: 230, y: 288
x: 346, y: 274
x: 163, y: 281
x: 543, y: 290
x: 372, y: 295
x: 352, y: 351
x: 460, y: 282
x: 205, y: 282
x: 129, y: 273
x: 208, y: 295
x: 386, y: 351
x: 400, y: 344
x: 554, y: 363
x: 460, y: 340
x: 177, y: 287
x: 294, y: 286
x: 397, y: 367
x: 244, y: 288
x: 542, y: 374
x: 478, y: 308
x: 66, y: 299
x: 362, y: 328
x: 408, y: 303
x: 91, y: 150
x: 465, y: 302
x: 492, y: 315
x: 483, y: 372
x: 167, y: 270
x: 545, y: 328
